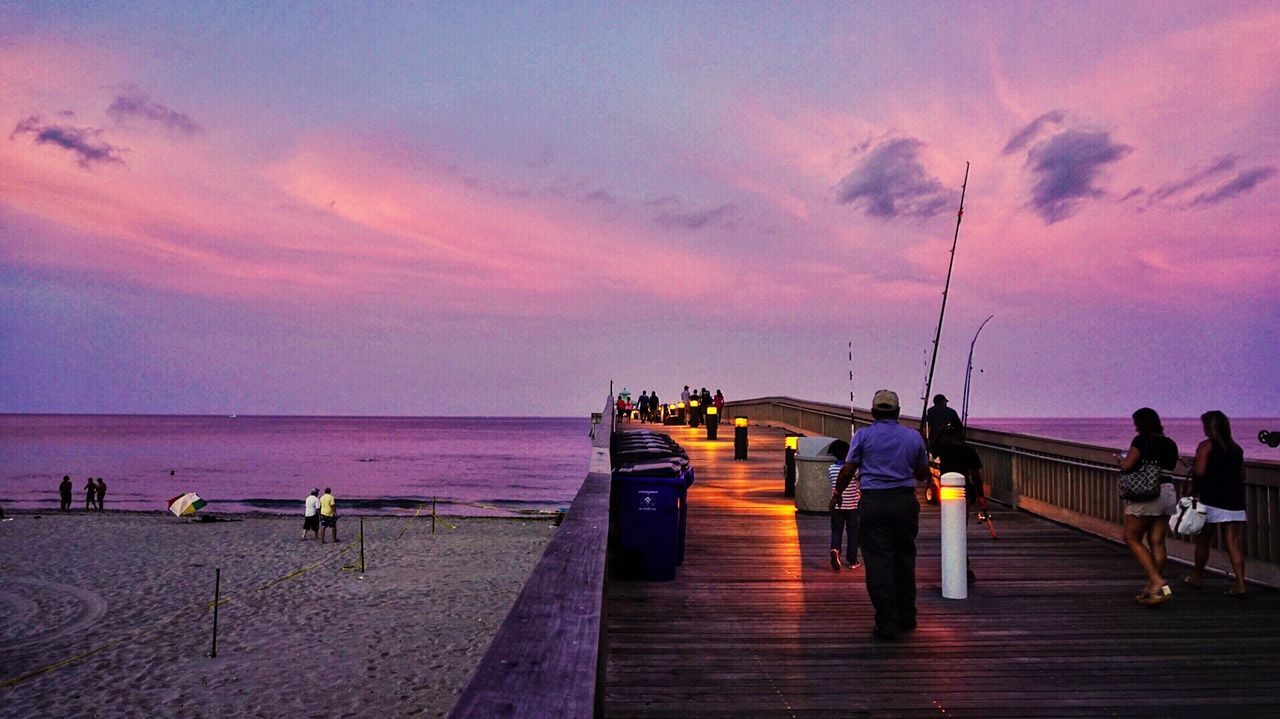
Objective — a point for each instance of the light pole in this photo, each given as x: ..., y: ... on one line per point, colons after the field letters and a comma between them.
x: 968, y: 372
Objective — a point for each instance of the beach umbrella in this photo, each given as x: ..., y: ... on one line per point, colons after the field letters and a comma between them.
x: 186, y: 504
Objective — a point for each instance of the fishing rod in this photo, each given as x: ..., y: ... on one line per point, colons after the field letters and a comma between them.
x: 937, y: 336
x: 968, y: 372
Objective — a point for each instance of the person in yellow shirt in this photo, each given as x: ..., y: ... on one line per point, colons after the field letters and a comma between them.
x: 328, y: 515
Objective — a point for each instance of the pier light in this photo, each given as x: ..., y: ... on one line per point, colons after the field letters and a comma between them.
x: 792, y: 442
x: 680, y: 405
x: 693, y: 403
x: 712, y: 410
x: 740, y: 439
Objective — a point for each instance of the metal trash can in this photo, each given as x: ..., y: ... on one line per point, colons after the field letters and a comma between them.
x: 813, y: 486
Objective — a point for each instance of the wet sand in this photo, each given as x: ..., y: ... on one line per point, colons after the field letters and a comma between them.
x: 400, y: 639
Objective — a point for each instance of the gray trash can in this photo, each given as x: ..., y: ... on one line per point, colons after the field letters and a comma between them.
x: 813, y: 487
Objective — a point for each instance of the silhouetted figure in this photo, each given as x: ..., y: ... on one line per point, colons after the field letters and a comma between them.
x: 937, y: 418
x: 64, y: 492
x: 90, y: 491
x: 101, y: 491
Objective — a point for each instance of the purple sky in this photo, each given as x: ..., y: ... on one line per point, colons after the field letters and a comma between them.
x: 463, y: 208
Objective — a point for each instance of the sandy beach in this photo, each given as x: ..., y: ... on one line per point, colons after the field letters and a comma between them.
x: 298, y: 634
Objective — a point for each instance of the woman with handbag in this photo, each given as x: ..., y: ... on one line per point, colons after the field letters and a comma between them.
x: 1218, y: 481
x: 1150, y: 499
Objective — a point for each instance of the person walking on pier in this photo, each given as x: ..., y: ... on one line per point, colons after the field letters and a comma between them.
x: 1147, y: 522
x: 889, y: 459
x: 1218, y: 480
x: 844, y: 519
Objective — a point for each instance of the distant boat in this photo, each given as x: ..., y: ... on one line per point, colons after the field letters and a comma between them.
x: 232, y: 416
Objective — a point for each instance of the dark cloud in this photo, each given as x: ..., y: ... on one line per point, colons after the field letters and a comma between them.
x: 891, y: 181
x: 135, y: 105
x: 1135, y: 192
x: 1066, y: 166
x: 1023, y: 137
x: 604, y: 197
x: 1243, y: 182
x: 1197, y: 177
x: 83, y: 142
x: 672, y: 216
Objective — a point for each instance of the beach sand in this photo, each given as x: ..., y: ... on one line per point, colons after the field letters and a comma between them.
x: 401, y: 639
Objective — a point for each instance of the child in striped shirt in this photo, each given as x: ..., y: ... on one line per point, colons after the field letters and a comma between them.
x: 844, y: 518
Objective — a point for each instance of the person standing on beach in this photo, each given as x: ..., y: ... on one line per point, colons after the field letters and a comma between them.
x: 889, y: 459
x: 1147, y: 522
x: 311, y: 515
x: 101, y: 491
x: 328, y: 515
x: 90, y: 490
x: 1218, y: 480
x: 64, y: 492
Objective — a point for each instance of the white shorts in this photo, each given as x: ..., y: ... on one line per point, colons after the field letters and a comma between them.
x: 1213, y: 515
x: 1162, y: 506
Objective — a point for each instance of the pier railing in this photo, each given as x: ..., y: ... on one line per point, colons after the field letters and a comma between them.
x: 1067, y: 482
x: 546, y: 659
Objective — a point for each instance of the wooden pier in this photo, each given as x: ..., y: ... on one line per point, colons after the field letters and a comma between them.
x: 757, y: 624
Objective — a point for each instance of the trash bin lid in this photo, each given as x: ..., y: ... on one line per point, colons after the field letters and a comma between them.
x: 653, y: 470
x: 814, y: 448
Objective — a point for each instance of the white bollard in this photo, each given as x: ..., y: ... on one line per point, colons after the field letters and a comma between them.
x: 955, y: 545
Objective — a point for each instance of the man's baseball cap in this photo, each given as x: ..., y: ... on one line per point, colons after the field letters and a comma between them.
x: 886, y: 400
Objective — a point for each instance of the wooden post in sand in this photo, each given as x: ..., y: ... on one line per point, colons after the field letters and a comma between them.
x: 217, y: 589
x: 433, y: 515
x: 362, y: 545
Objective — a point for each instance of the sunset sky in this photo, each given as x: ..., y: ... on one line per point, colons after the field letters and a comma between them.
x: 470, y: 208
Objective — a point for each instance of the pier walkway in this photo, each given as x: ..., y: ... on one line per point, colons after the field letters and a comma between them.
x: 757, y: 624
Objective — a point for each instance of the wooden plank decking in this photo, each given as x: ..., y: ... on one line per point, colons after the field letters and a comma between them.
x: 757, y: 624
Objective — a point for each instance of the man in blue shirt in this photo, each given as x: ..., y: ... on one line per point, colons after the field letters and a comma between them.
x: 889, y: 459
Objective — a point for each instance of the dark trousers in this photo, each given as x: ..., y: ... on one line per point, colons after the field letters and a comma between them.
x: 889, y: 522
x: 845, y: 521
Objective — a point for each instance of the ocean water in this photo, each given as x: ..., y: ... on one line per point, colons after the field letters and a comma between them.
x: 1117, y: 432
x: 473, y: 465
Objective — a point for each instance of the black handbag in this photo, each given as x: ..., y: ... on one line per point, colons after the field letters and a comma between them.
x: 1142, y: 483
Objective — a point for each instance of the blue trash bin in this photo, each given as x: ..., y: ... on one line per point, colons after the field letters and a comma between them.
x: 647, y: 516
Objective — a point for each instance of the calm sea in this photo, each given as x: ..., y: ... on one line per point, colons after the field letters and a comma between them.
x: 1117, y: 432
x: 473, y: 465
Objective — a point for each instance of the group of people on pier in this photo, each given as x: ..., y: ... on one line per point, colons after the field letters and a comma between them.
x: 1217, y: 482
x: 873, y: 501
x: 648, y: 408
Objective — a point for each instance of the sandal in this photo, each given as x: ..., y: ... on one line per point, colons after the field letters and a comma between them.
x: 1160, y: 596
